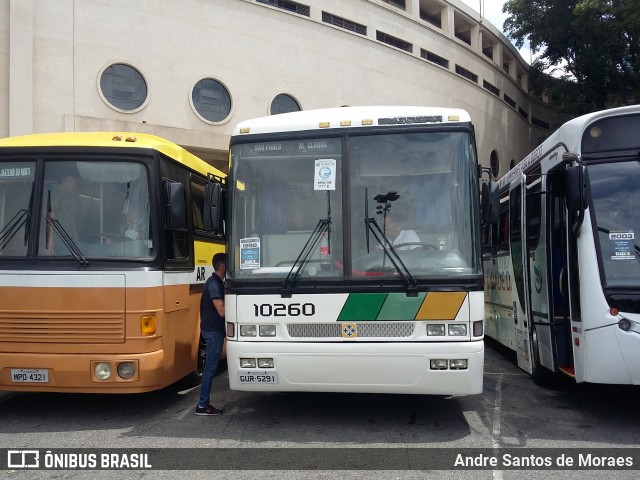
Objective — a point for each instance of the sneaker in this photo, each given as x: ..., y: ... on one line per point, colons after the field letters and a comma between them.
x: 208, y: 410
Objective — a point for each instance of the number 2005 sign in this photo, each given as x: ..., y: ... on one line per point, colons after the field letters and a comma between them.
x: 282, y: 310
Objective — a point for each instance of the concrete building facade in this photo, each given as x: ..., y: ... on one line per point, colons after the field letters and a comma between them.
x: 189, y: 70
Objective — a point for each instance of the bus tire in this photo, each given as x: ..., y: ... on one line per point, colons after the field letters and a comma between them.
x: 195, y: 378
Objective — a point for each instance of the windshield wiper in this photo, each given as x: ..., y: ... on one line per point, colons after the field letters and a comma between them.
x: 323, y: 227
x: 372, y: 226
x: 57, y: 227
x: 67, y: 240
x: 12, y: 227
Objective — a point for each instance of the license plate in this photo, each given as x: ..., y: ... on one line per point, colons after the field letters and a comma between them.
x: 257, y: 377
x: 29, y: 375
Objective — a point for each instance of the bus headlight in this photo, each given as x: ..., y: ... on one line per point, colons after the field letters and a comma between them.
x: 265, y: 363
x: 126, y: 370
x: 458, y: 364
x: 436, y: 330
x: 267, y: 330
x: 439, y: 364
x: 102, y: 371
x: 458, y: 330
x: 624, y: 324
x: 248, y: 331
x: 247, y: 363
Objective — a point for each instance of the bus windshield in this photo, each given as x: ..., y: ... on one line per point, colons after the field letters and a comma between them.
x: 615, y: 188
x: 89, y: 209
x: 407, y: 196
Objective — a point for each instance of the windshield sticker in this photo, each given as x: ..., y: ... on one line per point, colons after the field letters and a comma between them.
x: 325, y: 174
x: 15, y: 172
x: 249, y: 253
x: 622, y: 245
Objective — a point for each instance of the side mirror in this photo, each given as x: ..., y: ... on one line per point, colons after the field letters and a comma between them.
x: 175, y: 215
x: 212, y: 207
x: 490, y: 203
x: 574, y: 188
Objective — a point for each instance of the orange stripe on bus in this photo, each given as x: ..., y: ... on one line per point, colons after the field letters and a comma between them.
x: 441, y: 305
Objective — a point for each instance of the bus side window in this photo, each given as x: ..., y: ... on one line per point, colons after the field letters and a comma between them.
x: 175, y: 218
x: 502, y: 233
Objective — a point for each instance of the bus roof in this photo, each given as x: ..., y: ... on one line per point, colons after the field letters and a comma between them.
x: 351, y: 117
x: 568, y: 134
x: 112, y: 140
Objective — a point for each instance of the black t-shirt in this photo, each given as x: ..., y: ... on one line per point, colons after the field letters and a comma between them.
x: 210, y: 319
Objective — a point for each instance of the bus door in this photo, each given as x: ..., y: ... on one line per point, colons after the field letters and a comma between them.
x: 520, y: 296
x: 545, y: 273
x: 558, y: 273
x: 536, y: 273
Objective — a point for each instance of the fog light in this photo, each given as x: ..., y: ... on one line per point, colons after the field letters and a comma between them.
x: 439, y: 364
x: 126, y: 370
x: 624, y: 324
x: 248, y: 331
x: 458, y: 330
x: 478, y: 328
x: 458, y: 364
x: 435, y: 330
x: 267, y: 330
x: 265, y: 363
x: 247, y: 363
x: 102, y: 371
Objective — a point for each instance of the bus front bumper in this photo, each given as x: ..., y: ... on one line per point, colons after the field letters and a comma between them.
x: 358, y: 367
x: 81, y: 373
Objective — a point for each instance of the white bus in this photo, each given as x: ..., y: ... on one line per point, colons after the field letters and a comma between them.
x: 562, y: 263
x: 317, y: 299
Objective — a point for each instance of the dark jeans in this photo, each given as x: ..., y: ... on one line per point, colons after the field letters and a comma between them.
x: 214, y: 342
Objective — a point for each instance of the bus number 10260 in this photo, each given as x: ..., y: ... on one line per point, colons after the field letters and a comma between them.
x: 282, y: 310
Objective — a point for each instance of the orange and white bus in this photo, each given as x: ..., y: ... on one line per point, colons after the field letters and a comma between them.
x: 103, y: 254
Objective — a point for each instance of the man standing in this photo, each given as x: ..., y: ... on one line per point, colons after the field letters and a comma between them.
x: 212, y: 330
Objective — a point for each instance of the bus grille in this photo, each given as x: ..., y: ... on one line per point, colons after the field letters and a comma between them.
x: 367, y: 330
x: 76, y: 327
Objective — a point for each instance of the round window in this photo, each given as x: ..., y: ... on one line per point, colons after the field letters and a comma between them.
x: 284, y: 103
x: 211, y: 100
x: 123, y: 87
x: 495, y: 164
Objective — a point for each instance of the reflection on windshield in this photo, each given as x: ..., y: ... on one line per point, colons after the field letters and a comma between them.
x: 418, y: 187
x: 282, y: 190
x: 103, y: 207
x: 88, y: 210
x: 16, y: 187
x: 615, y: 188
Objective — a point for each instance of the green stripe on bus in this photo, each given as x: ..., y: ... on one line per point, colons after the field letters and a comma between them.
x: 362, y: 307
x: 400, y: 307
x: 380, y: 306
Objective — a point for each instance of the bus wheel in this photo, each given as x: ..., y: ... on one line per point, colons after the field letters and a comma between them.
x: 195, y: 378
x: 539, y: 374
